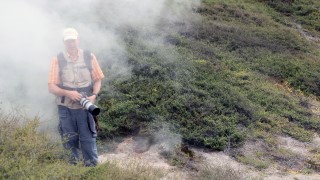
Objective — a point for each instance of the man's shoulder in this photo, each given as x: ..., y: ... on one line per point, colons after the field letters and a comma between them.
x: 54, y: 59
x: 88, y: 52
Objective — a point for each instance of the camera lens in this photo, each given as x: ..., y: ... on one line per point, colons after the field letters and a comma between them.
x: 93, y: 109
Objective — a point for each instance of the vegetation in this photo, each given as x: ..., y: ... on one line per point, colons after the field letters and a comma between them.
x: 219, y: 172
x: 236, y: 71
x: 304, y: 12
x: 255, y: 162
x: 27, y: 154
x: 239, y: 70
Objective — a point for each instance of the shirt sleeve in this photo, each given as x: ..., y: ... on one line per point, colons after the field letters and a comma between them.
x: 97, y: 73
x: 54, y: 72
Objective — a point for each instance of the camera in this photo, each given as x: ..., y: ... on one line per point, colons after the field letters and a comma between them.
x: 93, y: 109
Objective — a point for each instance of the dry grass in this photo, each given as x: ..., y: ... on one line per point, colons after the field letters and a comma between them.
x: 27, y: 154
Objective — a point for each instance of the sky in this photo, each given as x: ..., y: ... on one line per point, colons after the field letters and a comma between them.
x: 31, y: 34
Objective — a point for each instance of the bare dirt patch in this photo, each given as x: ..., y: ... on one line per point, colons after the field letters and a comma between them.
x: 295, y: 146
x: 125, y: 155
x: 309, y: 36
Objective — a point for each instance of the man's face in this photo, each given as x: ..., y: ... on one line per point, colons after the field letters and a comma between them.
x: 71, y: 44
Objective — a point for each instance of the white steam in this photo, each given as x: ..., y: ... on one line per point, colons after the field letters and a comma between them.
x: 31, y: 31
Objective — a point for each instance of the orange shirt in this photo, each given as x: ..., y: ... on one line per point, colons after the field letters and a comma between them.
x: 54, y: 77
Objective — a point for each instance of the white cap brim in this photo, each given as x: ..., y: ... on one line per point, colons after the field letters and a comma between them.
x: 70, y: 37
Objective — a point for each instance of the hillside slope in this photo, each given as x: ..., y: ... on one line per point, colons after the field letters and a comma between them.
x: 234, y: 71
x: 235, y: 81
x: 237, y: 67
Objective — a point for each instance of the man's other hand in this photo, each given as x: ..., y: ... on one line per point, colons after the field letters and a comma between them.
x: 92, y: 98
x: 74, y: 95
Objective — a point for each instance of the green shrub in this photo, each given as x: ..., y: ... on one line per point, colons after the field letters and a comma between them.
x: 212, y: 81
x: 254, y: 161
x: 306, y: 12
x: 219, y: 172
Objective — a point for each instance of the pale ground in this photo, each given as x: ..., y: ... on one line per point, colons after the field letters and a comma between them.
x: 308, y: 35
x: 129, y: 151
x: 125, y: 154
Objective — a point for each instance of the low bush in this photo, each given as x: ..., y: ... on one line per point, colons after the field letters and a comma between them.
x: 27, y: 154
x: 254, y: 161
x: 212, y: 81
x: 217, y: 172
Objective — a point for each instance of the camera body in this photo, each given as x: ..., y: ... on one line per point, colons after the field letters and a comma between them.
x: 88, y: 105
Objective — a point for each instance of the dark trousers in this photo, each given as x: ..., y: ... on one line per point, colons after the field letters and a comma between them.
x: 77, y: 129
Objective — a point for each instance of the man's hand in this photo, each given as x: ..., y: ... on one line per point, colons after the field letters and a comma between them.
x: 92, y: 98
x: 74, y: 95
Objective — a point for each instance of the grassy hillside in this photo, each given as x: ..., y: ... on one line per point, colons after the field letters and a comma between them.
x: 235, y: 71
x: 303, y: 12
x: 236, y: 74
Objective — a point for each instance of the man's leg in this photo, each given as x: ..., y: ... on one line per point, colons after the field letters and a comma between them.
x: 69, y: 133
x: 88, y: 136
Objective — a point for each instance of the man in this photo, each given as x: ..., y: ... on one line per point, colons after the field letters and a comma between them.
x: 75, y: 73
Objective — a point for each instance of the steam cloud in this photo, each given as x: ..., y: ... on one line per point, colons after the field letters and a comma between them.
x: 31, y: 31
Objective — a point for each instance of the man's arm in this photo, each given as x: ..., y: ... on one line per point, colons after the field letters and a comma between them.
x: 96, y: 90
x: 97, y: 76
x: 73, y: 95
x: 97, y: 86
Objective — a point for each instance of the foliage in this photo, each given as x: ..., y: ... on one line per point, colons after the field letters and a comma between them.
x: 237, y: 71
x: 314, y: 162
x: 254, y: 161
x: 306, y: 12
x: 219, y: 172
x: 27, y: 154
x: 214, y: 80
